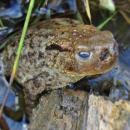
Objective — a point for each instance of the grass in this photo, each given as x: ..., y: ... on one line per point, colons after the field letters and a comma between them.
x: 106, y: 21
x: 88, y: 12
x: 1, y: 23
x: 19, y: 51
x: 87, y: 8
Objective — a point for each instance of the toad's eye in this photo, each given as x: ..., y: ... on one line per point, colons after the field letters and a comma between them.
x: 84, y: 55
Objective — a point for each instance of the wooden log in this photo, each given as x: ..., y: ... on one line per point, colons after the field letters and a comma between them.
x: 76, y: 110
x: 60, y: 110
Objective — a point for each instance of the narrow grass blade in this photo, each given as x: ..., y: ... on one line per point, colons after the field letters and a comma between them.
x: 126, y: 17
x: 1, y: 23
x: 87, y: 7
x: 106, y: 21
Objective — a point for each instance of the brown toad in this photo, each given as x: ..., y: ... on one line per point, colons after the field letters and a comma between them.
x: 57, y: 52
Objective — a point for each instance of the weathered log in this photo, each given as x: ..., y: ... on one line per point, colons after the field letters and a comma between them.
x: 62, y: 109
x: 76, y: 110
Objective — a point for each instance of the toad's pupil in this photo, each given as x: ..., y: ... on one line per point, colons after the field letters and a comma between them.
x: 84, y: 55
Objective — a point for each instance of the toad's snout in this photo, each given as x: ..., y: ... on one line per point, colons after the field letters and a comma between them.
x: 107, y: 53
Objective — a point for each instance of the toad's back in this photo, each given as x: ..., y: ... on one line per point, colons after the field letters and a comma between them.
x: 60, y: 51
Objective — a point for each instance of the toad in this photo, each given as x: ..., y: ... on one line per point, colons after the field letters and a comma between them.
x: 57, y: 52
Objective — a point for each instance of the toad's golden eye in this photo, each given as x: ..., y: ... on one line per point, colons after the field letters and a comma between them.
x: 84, y: 55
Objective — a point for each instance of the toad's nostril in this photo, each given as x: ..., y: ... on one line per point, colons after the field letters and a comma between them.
x: 104, y: 54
